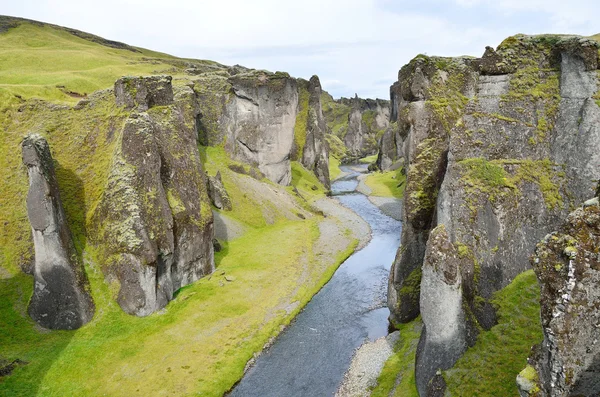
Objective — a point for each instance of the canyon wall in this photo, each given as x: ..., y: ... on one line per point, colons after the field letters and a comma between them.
x: 497, y: 149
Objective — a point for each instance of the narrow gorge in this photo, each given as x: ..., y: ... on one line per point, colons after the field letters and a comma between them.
x: 182, y: 227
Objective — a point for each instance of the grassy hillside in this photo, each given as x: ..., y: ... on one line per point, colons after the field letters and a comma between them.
x: 200, y: 343
x: 49, y: 62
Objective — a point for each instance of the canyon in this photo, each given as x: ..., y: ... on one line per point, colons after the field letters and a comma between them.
x: 197, y: 224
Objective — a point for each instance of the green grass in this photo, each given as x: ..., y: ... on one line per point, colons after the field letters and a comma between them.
x: 385, y: 184
x: 368, y: 159
x: 334, y: 168
x: 35, y: 61
x: 397, y: 379
x: 199, y: 345
x: 490, y: 367
x: 306, y: 183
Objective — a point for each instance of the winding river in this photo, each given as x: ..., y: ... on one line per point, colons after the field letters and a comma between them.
x: 310, y: 357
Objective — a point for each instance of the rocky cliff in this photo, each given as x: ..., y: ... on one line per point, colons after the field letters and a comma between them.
x: 567, y: 362
x: 358, y: 122
x: 311, y: 127
x: 61, y: 297
x: 265, y: 120
x: 154, y: 220
x: 497, y: 150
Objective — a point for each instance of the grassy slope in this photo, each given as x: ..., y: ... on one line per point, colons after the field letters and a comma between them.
x: 491, y: 366
x: 34, y: 60
x: 397, y: 379
x: 385, y: 184
x: 202, y: 340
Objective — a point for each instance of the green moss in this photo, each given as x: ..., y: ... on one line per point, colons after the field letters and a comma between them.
x: 446, y: 98
x: 301, y: 120
x: 336, y: 115
x: 490, y: 178
x: 397, y: 378
x: 489, y: 368
x: 411, y: 287
x: 422, y: 176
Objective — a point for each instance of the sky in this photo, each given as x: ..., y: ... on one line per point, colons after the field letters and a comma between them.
x: 354, y: 46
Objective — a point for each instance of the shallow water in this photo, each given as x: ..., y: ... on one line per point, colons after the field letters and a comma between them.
x: 310, y: 357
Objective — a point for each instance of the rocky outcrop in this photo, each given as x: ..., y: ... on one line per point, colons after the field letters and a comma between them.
x: 217, y: 193
x: 367, y: 121
x: 154, y: 220
x: 251, y: 113
x: 567, y: 362
x: 315, y: 154
x: 61, y: 298
x: 497, y: 150
x: 142, y: 93
x: 358, y: 122
x: 444, y: 336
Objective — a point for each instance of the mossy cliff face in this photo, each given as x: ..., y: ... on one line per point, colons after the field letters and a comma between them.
x: 359, y: 123
x: 252, y: 114
x: 315, y: 153
x: 567, y: 265
x: 498, y: 150
x: 154, y: 222
x: 421, y: 94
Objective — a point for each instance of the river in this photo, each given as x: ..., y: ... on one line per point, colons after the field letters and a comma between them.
x: 309, y: 358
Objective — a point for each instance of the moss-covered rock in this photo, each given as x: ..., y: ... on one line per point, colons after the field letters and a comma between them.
x: 566, y: 263
x: 154, y: 223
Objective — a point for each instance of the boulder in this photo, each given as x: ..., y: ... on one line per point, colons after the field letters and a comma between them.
x: 217, y: 193
x: 61, y: 297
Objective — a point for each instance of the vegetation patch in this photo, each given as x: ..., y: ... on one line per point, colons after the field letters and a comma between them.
x: 490, y: 367
x: 301, y: 120
x: 397, y: 379
x: 336, y: 115
x: 387, y: 184
x: 491, y: 179
x: 446, y: 98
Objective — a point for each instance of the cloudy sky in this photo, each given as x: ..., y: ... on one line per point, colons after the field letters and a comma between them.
x: 354, y: 46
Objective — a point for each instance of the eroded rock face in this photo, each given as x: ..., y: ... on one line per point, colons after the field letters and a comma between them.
x: 252, y: 113
x: 154, y: 220
x: 367, y: 121
x: 61, y: 298
x: 315, y: 155
x: 496, y: 158
x: 567, y: 363
x: 444, y: 336
x: 142, y: 93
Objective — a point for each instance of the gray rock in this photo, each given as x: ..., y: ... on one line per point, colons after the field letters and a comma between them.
x: 217, y: 193
x: 142, y: 93
x: 443, y: 339
x: 497, y: 159
x: 252, y: 113
x: 315, y: 154
x: 567, y: 363
x: 367, y: 121
x: 61, y: 298
x: 154, y: 220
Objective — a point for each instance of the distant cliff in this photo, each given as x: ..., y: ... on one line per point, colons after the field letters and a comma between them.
x: 358, y: 122
x: 497, y: 150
